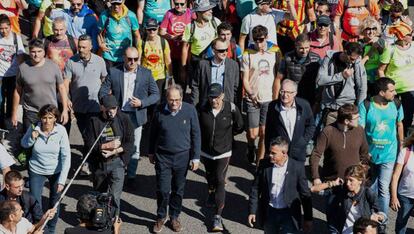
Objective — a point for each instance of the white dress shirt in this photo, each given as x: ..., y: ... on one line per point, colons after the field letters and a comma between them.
x: 289, y: 118
x: 129, y: 86
x: 276, y: 192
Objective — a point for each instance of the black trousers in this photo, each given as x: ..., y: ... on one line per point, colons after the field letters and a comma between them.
x: 7, y: 89
x: 216, y: 171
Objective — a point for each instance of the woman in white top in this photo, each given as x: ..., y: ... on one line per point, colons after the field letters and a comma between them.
x: 402, y: 186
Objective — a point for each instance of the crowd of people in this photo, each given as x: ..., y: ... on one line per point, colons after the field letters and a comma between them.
x: 307, y: 80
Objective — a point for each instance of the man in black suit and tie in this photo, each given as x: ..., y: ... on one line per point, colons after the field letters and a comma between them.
x: 219, y: 69
x: 279, y: 188
x: 290, y: 117
x: 136, y: 90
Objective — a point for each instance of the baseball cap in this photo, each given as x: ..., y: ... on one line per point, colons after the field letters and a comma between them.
x: 324, y: 20
x: 215, y: 90
x: 109, y: 101
x: 151, y: 23
x: 116, y: 1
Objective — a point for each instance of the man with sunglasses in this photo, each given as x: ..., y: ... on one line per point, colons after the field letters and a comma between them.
x: 259, y: 67
x: 118, y: 28
x: 220, y: 70
x: 172, y: 28
x: 135, y: 89
x: 263, y: 15
x: 323, y: 38
x: 80, y: 19
x: 290, y: 117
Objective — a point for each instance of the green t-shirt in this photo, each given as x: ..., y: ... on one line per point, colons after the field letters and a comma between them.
x: 202, y: 37
x: 371, y: 66
x: 400, y: 67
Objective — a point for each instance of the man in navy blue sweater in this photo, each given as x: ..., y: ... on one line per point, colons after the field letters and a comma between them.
x: 175, y: 143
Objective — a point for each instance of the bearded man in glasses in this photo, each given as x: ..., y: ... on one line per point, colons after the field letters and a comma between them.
x: 135, y: 89
x: 221, y: 70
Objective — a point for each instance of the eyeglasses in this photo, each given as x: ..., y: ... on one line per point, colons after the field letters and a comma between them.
x: 151, y: 29
x: 135, y: 59
x: 179, y: 3
x: 259, y: 40
x: 370, y: 29
x: 221, y: 50
x: 323, y: 25
x: 283, y: 92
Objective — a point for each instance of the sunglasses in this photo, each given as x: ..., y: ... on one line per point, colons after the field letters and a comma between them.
x: 179, y: 3
x: 259, y: 40
x: 221, y: 50
x: 370, y: 29
x: 76, y: 4
x: 323, y: 25
x: 135, y: 59
x: 116, y: 4
x: 151, y: 29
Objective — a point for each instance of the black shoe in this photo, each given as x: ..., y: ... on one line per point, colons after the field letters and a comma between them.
x: 217, y: 224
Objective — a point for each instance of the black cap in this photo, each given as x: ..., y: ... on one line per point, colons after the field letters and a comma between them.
x: 151, y: 23
x: 215, y: 90
x: 258, y: 2
x: 109, y: 101
x: 324, y: 20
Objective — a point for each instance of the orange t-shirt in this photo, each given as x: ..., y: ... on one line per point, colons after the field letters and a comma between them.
x: 354, y: 15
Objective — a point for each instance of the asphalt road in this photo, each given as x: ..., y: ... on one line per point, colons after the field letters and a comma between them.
x: 139, y: 204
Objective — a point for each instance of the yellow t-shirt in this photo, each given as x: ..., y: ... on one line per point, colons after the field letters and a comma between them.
x: 153, y: 57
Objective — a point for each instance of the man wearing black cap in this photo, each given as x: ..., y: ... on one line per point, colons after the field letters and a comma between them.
x: 111, y: 154
x: 219, y: 121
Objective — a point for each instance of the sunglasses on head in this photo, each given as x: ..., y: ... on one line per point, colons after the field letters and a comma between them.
x: 221, y: 50
x: 259, y: 40
x: 179, y: 3
x: 134, y: 59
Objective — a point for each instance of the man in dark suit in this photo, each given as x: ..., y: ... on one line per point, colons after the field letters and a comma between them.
x: 292, y: 118
x: 279, y: 188
x: 135, y: 89
x: 219, y: 69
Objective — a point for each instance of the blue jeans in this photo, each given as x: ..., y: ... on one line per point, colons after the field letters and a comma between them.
x: 403, y: 215
x: 279, y: 221
x: 381, y: 179
x: 133, y: 162
x: 37, y: 183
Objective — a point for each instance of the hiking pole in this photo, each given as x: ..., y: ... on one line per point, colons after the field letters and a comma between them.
x: 76, y: 172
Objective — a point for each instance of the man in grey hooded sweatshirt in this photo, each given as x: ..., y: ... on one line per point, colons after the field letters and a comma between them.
x: 342, y: 79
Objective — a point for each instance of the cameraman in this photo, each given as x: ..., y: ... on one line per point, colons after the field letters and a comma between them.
x: 343, y: 80
x: 86, y: 212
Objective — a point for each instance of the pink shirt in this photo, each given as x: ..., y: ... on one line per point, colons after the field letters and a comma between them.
x: 175, y: 25
x: 322, y: 47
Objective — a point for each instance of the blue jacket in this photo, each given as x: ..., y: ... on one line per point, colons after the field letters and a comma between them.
x: 145, y: 89
x: 85, y: 22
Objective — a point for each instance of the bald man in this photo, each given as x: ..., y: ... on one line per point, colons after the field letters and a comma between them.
x: 136, y: 90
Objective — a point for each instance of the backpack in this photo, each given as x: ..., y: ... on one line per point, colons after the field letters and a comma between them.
x: 367, y: 103
x: 193, y: 27
x: 346, y: 7
x: 71, y: 40
x: 128, y: 20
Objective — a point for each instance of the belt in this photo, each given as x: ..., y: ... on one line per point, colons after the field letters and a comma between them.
x: 110, y: 159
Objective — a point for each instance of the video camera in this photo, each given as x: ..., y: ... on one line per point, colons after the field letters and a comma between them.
x: 103, y: 214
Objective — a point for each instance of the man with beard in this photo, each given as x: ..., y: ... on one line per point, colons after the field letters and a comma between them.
x: 83, y: 76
